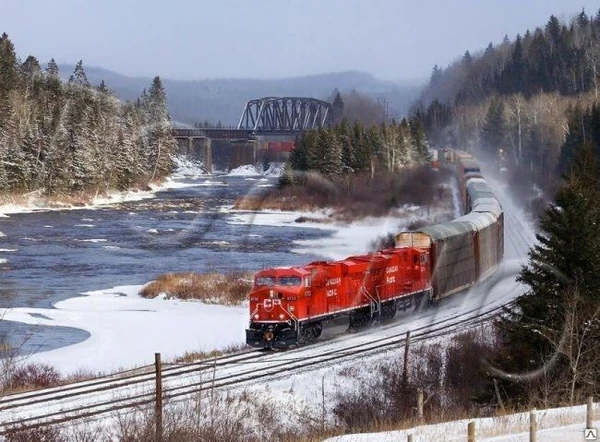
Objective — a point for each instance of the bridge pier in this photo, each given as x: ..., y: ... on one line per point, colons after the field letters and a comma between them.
x: 243, y: 152
x: 197, y: 148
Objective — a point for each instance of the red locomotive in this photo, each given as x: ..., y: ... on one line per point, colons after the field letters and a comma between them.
x: 289, y: 305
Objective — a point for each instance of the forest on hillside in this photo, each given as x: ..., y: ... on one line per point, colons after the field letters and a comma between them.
x: 58, y: 138
x: 533, y: 97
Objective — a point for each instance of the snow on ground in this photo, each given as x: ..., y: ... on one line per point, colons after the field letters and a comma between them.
x: 554, y: 425
x: 246, y: 170
x: 126, y: 330
x: 273, y: 170
x: 184, y: 167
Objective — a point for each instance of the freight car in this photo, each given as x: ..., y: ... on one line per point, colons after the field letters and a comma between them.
x: 289, y: 305
x: 467, y: 249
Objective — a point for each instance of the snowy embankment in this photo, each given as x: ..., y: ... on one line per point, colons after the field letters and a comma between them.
x: 554, y: 425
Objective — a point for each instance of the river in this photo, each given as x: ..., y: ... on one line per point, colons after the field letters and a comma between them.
x: 47, y: 256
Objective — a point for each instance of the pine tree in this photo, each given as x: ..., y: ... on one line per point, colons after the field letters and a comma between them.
x: 329, y: 162
x: 31, y: 68
x: 343, y: 135
x: 337, y: 108
x: 564, y: 264
x: 436, y: 75
x: 78, y: 77
x: 493, y: 132
x: 420, y: 145
x: 8, y: 76
x: 161, y: 142
x: 363, y: 150
x: 467, y: 59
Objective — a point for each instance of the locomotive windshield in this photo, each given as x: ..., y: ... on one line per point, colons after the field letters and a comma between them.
x: 265, y: 281
x: 290, y: 280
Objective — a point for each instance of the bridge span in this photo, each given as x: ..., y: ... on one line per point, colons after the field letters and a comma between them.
x: 267, y: 131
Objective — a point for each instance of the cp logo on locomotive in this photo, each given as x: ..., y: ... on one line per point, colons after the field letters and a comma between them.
x: 269, y: 303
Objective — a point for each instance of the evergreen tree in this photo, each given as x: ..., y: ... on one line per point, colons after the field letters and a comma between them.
x: 337, y: 107
x: 31, y: 67
x: 493, y: 132
x: 343, y: 135
x: 467, y: 59
x: 374, y: 140
x: 363, y: 149
x: 78, y: 77
x: 8, y: 76
x: 420, y: 145
x: 564, y: 264
x: 329, y: 162
x: 102, y: 88
x: 436, y: 75
x: 8, y: 65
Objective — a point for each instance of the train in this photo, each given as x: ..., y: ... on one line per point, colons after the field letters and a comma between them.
x: 289, y: 305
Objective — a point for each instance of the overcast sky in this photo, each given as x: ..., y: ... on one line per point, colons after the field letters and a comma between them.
x: 197, y: 39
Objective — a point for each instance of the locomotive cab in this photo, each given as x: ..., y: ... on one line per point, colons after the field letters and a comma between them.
x: 274, y: 304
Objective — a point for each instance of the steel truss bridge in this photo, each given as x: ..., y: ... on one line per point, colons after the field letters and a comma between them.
x: 285, y: 114
x: 263, y: 121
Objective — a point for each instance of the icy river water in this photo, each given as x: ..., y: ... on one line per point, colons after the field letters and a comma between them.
x: 48, y: 256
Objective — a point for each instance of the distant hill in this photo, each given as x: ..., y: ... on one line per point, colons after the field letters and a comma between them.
x: 224, y: 99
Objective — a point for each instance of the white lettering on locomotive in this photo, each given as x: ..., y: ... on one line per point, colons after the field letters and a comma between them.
x: 391, y: 269
x: 331, y: 292
x: 334, y: 281
x: 391, y: 279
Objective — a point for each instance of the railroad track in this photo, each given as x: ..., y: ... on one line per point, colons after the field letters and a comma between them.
x: 112, y: 393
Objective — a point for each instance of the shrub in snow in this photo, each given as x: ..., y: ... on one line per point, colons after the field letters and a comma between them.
x: 34, y: 376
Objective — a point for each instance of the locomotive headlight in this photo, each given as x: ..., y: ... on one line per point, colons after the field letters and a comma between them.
x: 292, y: 308
x: 271, y: 293
x: 256, y: 316
x: 281, y: 316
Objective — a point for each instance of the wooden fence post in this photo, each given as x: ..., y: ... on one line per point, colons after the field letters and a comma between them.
x: 471, y: 432
x: 409, y: 438
x: 158, y: 406
x: 420, y: 405
x: 589, y: 415
x: 323, y: 404
x: 532, y: 426
x: 405, y: 369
